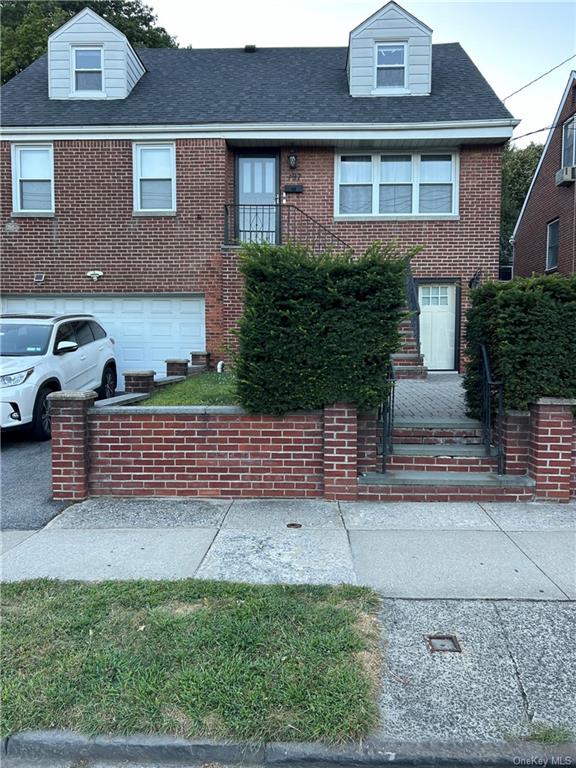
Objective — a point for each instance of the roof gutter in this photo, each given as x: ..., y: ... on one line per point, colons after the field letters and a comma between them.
x: 480, y: 129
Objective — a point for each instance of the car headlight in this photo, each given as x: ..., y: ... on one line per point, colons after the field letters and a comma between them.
x: 13, y: 379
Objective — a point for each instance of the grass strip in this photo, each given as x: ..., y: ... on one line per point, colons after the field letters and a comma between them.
x: 191, y: 658
x: 202, y: 389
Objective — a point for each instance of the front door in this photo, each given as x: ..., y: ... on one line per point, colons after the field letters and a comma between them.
x: 438, y: 325
x: 257, y: 198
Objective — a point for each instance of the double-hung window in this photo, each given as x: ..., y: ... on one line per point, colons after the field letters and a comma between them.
x: 397, y: 184
x: 33, y: 179
x: 390, y: 65
x: 552, y: 243
x: 87, y: 70
x: 155, y: 178
x: 569, y: 143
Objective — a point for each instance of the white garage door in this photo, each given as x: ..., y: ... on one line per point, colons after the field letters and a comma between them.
x: 147, y: 329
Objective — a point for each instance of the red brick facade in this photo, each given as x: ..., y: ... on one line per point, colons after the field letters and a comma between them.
x: 546, y: 203
x: 94, y: 226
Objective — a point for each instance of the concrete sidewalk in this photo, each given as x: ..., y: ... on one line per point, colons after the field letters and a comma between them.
x: 459, y: 550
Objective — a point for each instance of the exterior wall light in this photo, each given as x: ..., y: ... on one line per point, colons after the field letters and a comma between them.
x: 292, y: 160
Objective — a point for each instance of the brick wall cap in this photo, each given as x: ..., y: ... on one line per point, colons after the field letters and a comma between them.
x: 182, y: 360
x: 81, y: 394
x: 120, y: 400
x: 139, y: 373
x: 162, y: 410
x: 568, y: 401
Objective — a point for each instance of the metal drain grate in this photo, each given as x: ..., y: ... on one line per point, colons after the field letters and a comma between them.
x: 443, y: 644
x: 294, y: 525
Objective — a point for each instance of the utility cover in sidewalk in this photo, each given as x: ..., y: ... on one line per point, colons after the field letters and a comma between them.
x: 443, y: 643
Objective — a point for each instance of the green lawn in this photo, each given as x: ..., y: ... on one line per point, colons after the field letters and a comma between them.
x: 203, y: 389
x: 190, y: 658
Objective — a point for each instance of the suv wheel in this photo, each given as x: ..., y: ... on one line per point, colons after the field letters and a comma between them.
x: 41, y: 424
x: 108, y: 385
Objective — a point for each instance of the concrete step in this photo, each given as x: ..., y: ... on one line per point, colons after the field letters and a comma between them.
x: 443, y: 486
x: 439, y: 479
x: 434, y: 464
x: 407, y: 358
x: 443, y: 450
x: 437, y: 422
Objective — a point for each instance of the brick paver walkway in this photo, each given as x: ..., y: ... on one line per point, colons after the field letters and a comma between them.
x: 441, y: 394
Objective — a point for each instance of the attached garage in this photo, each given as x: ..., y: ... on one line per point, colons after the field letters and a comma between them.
x: 147, y: 329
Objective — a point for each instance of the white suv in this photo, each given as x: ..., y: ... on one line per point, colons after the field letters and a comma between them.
x: 40, y: 354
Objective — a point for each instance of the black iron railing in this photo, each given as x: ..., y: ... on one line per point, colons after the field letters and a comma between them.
x: 413, y: 303
x: 278, y: 224
x: 386, y: 417
x: 492, y: 411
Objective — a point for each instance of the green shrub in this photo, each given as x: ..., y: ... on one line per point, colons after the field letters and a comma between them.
x: 317, y: 329
x: 529, y: 328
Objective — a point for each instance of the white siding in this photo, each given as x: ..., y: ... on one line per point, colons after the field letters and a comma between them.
x: 122, y: 69
x: 390, y: 24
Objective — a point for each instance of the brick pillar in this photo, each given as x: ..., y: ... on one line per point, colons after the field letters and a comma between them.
x: 176, y: 367
x: 200, y: 358
x: 70, y: 451
x: 516, y: 441
x: 368, y: 436
x: 340, y: 452
x: 551, y: 445
x: 139, y: 381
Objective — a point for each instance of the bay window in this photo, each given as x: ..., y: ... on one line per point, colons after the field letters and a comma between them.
x: 394, y: 184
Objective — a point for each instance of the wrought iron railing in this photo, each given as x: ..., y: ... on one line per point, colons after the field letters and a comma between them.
x: 278, y: 224
x: 492, y: 411
x: 413, y: 303
x: 386, y: 417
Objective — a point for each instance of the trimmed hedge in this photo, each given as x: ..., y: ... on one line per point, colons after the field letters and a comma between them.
x: 529, y: 328
x: 317, y: 329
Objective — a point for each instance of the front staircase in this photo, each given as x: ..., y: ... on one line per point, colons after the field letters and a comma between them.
x: 409, y: 363
x: 440, y: 458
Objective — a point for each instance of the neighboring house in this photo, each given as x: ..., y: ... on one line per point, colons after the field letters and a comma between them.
x: 148, y: 166
x: 545, y: 234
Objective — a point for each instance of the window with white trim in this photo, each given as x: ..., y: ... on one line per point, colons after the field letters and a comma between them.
x: 390, y: 65
x: 154, y: 177
x: 33, y: 179
x: 88, y: 71
x: 552, y: 244
x: 569, y: 143
x: 396, y: 184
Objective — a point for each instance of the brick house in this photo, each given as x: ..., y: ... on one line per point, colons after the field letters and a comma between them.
x: 129, y: 177
x: 544, y: 236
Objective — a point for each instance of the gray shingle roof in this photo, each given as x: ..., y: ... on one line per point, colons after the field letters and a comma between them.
x: 272, y: 85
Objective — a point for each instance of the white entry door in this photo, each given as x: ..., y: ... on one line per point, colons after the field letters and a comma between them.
x: 438, y: 325
x: 147, y: 329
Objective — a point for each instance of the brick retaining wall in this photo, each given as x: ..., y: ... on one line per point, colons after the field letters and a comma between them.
x: 223, y: 451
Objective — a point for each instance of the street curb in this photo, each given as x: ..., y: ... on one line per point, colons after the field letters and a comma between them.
x: 72, y: 746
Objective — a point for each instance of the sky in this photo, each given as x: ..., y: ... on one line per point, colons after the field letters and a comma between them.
x: 510, y: 42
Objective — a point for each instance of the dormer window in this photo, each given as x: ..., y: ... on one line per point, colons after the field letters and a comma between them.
x: 87, y: 75
x: 390, y: 65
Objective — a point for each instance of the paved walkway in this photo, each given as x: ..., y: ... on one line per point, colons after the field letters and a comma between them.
x: 458, y: 550
x: 441, y: 394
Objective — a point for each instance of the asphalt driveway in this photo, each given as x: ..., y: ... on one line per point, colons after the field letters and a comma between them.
x: 25, y: 482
